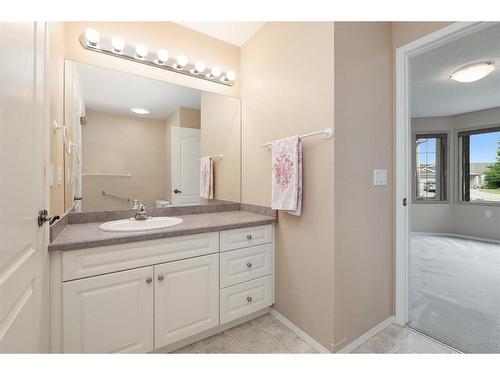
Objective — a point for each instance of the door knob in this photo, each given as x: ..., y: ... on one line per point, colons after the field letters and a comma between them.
x: 149, y: 280
x: 249, y: 236
x: 249, y: 265
x: 43, y: 217
x: 177, y: 191
x: 161, y: 277
x: 249, y: 299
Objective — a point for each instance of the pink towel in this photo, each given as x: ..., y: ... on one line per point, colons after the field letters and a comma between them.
x: 206, y: 178
x: 287, y: 175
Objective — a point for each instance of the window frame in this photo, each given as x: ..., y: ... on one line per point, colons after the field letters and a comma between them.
x: 444, y: 160
x: 459, y: 157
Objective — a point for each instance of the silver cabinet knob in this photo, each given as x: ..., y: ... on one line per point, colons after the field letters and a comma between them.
x: 249, y: 236
x: 249, y: 299
x: 249, y: 265
x: 161, y: 277
x: 149, y: 280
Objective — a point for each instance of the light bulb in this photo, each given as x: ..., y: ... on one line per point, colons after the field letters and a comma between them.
x: 141, y: 51
x: 473, y: 72
x: 181, y: 62
x: 199, y: 68
x: 230, y: 75
x: 214, y: 72
x: 92, y: 37
x: 118, y: 44
x: 161, y: 56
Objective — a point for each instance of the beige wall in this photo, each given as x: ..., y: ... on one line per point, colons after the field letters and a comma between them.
x: 453, y: 217
x: 287, y: 89
x: 407, y: 32
x: 173, y: 37
x: 221, y: 134
x: 363, y: 212
x: 189, y: 118
x: 115, y: 143
x: 55, y: 67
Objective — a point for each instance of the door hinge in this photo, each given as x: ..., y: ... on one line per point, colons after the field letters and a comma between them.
x: 404, y: 202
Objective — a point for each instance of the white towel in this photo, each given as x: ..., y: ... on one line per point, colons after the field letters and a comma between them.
x: 287, y: 175
x: 206, y: 178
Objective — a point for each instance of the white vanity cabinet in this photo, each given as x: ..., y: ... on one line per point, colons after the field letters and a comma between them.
x: 142, y: 296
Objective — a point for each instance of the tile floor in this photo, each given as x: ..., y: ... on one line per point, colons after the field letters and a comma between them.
x: 397, y: 339
x: 265, y: 334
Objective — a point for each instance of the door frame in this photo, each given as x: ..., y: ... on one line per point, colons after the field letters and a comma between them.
x: 403, y: 148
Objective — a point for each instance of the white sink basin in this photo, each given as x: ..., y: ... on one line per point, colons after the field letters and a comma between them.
x: 132, y: 225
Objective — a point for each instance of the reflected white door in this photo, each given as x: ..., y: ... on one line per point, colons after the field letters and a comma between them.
x: 23, y: 250
x: 185, y: 166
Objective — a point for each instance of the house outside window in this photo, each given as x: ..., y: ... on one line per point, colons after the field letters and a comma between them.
x: 479, y: 165
x: 429, y: 167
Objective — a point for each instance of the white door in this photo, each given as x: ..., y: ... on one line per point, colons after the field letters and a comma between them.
x: 23, y: 246
x: 111, y: 313
x: 185, y: 166
x: 186, y: 298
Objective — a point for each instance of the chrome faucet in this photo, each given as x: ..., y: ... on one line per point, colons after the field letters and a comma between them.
x: 141, y: 212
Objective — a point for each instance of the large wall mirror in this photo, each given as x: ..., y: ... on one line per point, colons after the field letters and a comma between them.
x: 134, y: 138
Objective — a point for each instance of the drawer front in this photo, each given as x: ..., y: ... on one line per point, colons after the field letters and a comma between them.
x: 246, y: 264
x: 245, y: 237
x: 96, y: 261
x: 242, y: 299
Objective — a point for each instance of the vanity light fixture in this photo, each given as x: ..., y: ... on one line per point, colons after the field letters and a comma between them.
x: 118, y: 44
x: 161, y: 56
x: 214, y: 72
x: 92, y: 38
x: 199, y: 68
x: 230, y: 76
x: 141, y: 111
x: 181, y: 62
x: 473, y: 72
x: 141, y: 51
x: 117, y: 47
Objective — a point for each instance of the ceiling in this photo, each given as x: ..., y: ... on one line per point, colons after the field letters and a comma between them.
x: 236, y: 33
x: 111, y: 91
x: 433, y: 93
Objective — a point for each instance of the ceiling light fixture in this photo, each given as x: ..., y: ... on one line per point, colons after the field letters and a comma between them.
x: 92, y: 38
x: 118, y: 44
x: 473, y: 72
x: 141, y: 111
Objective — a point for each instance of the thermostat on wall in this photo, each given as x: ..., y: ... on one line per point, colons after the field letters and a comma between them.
x: 380, y: 177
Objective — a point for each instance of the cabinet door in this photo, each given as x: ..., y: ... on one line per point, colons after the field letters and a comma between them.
x: 186, y: 298
x: 111, y: 313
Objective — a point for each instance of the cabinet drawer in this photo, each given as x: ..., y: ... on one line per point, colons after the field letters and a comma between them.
x: 245, y: 237
x: 105, y: 259
x: 242, y: 299
x: 245, y: 264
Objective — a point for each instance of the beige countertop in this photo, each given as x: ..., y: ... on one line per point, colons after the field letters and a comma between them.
x: 88, y: 235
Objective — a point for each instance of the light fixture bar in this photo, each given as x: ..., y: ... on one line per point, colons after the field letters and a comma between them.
x: 129, y: 53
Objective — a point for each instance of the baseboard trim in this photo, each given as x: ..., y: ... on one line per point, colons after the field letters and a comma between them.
x: 304, y: 336
x: 367, y: 336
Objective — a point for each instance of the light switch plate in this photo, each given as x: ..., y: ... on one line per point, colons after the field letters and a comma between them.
x: 380, y: 177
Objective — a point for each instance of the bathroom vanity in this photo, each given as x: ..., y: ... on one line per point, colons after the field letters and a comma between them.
x: 158, y: 290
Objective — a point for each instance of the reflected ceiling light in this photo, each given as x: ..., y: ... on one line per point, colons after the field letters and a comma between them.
x: 141, y: 51
x: 199, y: 68
x: 140, y: 111
x: 181, y: 62
x: 214, y: 72
x: 230, y: 75
x: 473, y: 72
x: 118, y: 44
x: 92, y: 37
x: 161, y: 56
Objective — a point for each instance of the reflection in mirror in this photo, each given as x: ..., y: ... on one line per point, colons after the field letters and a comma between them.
x: 132, y: 138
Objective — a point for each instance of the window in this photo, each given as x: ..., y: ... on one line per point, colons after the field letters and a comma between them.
x: 430, y: 158
x: 479, y: 171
